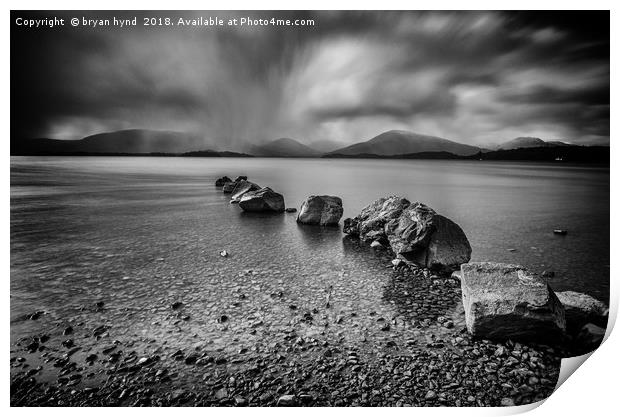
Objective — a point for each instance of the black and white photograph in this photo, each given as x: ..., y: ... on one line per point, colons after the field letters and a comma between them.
x: 298, y: 208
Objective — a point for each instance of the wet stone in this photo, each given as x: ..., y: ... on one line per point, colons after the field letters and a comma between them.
x: 287, y: 401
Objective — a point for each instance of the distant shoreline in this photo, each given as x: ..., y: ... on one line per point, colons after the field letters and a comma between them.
x: 575, y: 154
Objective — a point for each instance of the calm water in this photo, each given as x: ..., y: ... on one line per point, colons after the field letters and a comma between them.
x: 142, y: 232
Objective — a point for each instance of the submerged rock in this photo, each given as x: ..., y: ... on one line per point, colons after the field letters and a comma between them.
x: 291, y: 210
x: 504, y: 301
x: 581, y: 309
x: 243, y: 187
x: 264, y: 199
x: 415, y: 232
x: 221, y: 181
x: 324, y: 210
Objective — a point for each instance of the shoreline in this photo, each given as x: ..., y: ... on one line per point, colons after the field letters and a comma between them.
x: 423, y: 357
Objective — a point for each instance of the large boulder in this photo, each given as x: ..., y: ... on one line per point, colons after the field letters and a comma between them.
x: 415, y: 232
x: 582, y: 309
x: 221, y: 181
x: 410, y: 233
x: 324, y: 210
x: 504, y: 301
x: 243, y: 187
x: 370, y: 223
x: 264, y: 199
x: 426, y: 238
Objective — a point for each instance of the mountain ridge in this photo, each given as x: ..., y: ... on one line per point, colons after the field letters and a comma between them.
x: 284, y: 148
x: 527, y: 142
x: 395, y: 142
x: 126, y: 141
x: 390, y: 145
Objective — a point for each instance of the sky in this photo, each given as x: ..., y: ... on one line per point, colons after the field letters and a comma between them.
x: 473, y: 77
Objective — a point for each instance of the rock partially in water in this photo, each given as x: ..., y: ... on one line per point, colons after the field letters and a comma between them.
x: 221, y: 181
x: 241, y: 178
x: 429, y: 239
x: 261, y: 200
x: 243, y: 187
x: 324, y: 210
x: 589, y: 338
x: 504, y: 301
x: 415, y: 232
x: 582, y: 309
x: 229, y: 187
x: 291, y: 210
x: 375, y: 216
x: 351, y: 227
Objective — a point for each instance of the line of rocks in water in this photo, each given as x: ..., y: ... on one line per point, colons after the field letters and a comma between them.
x: 501, y: 301
x: 321, y: 210
x: 251, y: 196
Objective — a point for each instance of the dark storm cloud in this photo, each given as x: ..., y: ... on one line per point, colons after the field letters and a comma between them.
x: 477, y: 77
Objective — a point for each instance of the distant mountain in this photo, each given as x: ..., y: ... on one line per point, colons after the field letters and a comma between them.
x: 326, y: 145
x: 142, y: 141
x: 284, y: 147
x: 132, y: 141
x: 528, y: 142
x: 399, y: 142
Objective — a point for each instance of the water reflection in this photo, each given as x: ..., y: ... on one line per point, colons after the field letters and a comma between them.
x: 313, y: 235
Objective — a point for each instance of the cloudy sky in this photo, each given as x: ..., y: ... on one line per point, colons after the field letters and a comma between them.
x: 472, y: 77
